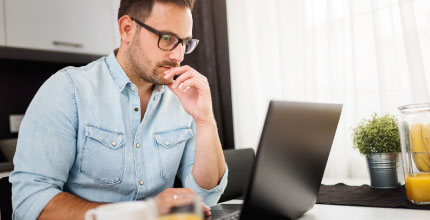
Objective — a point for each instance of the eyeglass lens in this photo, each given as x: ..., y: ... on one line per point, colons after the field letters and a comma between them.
x: 169, y: 42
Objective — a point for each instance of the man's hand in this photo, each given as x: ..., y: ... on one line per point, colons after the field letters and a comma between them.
x: 176, y: 197
x: 192, y: 89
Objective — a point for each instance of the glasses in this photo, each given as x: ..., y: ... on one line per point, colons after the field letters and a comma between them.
x: 169, y: 41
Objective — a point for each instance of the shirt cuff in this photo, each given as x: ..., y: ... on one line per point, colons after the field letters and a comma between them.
x: 33, y: 206
x: 211, y: 196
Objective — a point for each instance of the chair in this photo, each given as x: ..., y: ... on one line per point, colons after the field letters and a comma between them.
x: 239, y: 163
x: 5, y: 199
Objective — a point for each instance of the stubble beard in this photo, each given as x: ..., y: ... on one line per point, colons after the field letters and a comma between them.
x: 142, y: 67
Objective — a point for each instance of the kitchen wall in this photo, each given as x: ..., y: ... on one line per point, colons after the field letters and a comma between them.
x: 38, y: 38
x: 20, y: 79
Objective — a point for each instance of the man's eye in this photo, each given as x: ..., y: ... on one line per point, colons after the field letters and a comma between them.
x: 166, y: 37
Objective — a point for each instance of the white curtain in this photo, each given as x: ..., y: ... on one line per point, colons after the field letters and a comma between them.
x: 370, y: 55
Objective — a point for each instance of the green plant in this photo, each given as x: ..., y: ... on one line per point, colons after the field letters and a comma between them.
x: 379, y: 134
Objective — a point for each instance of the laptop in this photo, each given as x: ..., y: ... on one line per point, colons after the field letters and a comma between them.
x: 292, y: 154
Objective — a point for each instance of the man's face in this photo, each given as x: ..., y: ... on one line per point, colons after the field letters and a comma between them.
x: 147, y: 61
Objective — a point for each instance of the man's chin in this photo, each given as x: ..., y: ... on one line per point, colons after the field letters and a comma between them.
x: 162, y: 81
x: 158, y: 77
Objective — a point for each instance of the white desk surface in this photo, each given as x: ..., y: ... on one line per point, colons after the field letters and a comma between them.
x: 334, y: 212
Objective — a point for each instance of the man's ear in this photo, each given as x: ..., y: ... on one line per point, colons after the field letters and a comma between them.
x: 126, y: 29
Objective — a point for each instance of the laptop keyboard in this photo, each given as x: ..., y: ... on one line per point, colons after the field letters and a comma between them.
x: 232, y: 216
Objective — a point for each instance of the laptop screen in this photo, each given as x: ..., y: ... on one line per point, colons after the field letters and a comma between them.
x: 292, y: 154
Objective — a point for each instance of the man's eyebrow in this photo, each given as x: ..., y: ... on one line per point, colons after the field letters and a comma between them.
x: 171, y: 33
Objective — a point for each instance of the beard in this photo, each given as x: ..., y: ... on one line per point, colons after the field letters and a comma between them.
x: 142, y: 67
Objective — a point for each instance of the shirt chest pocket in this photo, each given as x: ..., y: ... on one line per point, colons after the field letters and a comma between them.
x: 103, y: 155
x: 170, y: 147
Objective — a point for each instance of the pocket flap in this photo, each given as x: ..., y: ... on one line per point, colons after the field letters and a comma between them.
x: 108, y: 138
x: 170, y: 138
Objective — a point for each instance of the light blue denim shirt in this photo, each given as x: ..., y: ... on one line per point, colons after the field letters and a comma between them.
x: 83, y: 134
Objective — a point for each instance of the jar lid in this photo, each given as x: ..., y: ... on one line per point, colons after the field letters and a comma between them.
x: 414, y: 108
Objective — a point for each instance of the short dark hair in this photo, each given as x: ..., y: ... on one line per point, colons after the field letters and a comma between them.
x: 142, y: 8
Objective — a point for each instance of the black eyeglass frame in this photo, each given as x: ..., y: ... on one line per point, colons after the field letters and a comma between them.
x: 160, y: 34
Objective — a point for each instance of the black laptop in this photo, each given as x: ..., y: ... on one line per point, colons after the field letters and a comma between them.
x: 292, y: 154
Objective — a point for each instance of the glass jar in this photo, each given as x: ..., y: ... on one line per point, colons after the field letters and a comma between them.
x: 181, y: 206
x: 414, y: 127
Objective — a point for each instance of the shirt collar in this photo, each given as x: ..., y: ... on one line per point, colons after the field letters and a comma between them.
x: 159, y: 89
x: 121, y: 79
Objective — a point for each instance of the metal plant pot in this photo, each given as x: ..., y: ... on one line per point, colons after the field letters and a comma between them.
x: 385, y: 170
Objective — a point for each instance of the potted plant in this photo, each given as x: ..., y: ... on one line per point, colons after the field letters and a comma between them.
x: 378, y: 139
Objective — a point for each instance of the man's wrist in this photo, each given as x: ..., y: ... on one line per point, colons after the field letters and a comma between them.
x: 208, y: 122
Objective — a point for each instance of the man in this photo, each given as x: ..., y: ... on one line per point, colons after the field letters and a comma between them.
x: 120, y: 128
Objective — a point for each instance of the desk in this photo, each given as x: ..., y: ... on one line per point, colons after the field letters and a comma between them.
x: 335, y: 212
x: 326, y: 212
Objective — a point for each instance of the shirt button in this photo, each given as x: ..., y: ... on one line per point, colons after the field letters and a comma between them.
x: 132, y: 88
x: 141, y: 182
x: 137, y: 145
x: 167, y: 143
x: 113, y: 143
x: 136, y: 109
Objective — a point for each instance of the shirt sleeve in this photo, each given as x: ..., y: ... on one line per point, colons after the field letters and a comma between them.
x: 46, y: 147
x: 210, y: 197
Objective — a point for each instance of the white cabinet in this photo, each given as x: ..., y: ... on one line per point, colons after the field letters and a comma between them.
x: 2, y: 31
x: 61, y: 25
x: 117, y: 38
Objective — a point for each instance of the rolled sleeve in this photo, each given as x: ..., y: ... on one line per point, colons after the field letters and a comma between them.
x: 32, y: 206
x: 46, y: 147
x: 211, y: 196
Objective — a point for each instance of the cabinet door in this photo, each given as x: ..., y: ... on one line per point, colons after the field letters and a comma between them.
x: 2, y: 28
x: 62, y: 25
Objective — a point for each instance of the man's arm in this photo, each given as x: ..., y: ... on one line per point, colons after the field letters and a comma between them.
x: 67, y: 206
x: 209, y: 162
x: 193, y: 91
x: 46, y: 148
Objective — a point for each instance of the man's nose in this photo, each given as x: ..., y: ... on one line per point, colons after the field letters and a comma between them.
x: 177, y: 54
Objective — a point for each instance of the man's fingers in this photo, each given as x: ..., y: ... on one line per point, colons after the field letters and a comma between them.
x: 176, y: 71
x: 182, y: 78
x: 192, y: 82
x: 184, y: 70
x: 206, y: 210
x: 178, y: 197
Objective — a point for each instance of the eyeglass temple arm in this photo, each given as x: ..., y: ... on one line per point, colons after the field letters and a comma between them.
x: 147, y: 27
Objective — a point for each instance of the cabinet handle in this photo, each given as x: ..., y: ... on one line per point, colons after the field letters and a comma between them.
x: 67, y: 44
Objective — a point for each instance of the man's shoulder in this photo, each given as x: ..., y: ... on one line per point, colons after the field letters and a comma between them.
x: 92, y: 69
x: 93, y: 76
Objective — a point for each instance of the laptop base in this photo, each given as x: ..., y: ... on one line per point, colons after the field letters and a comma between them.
x: 224, y: 212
